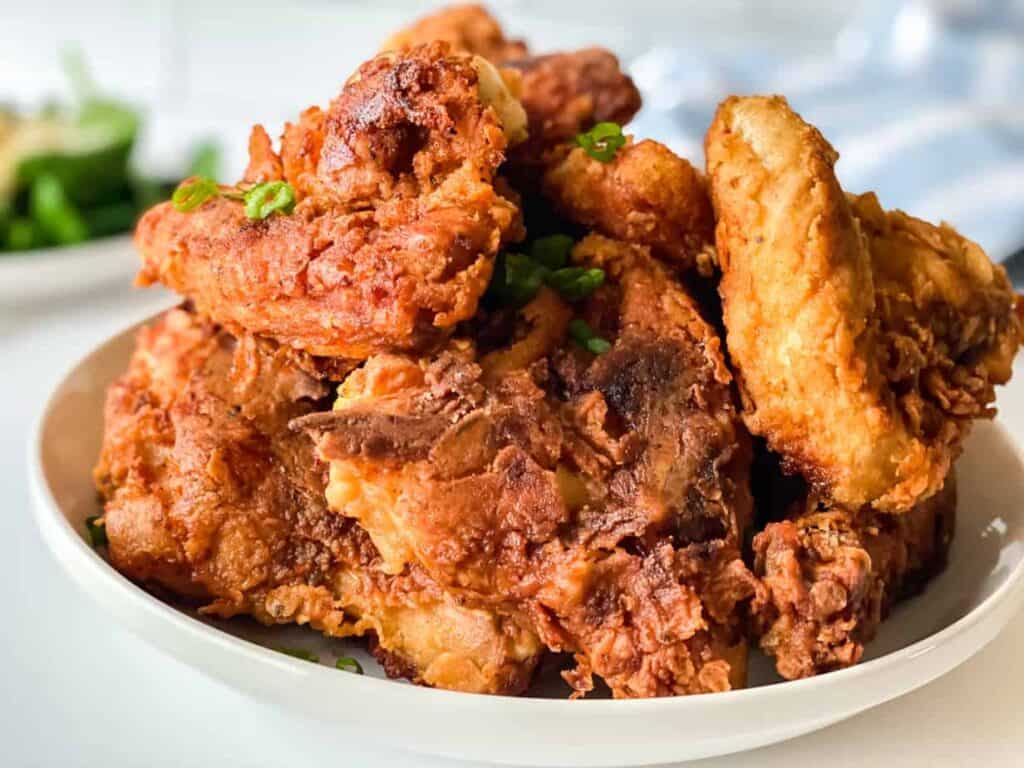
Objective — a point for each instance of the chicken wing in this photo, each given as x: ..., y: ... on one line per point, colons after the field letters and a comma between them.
x: 831, y: 577
x: 864, y: 342
x: 397, y: 226
x: 604, y: 497
x: 208, y: 494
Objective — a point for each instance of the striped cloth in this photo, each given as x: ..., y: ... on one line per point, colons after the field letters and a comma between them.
x: 925, y: 108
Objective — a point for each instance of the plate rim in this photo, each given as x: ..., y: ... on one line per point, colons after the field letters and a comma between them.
x: 84, y: 566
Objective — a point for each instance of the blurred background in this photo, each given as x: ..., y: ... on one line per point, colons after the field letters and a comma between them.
x: 923, y: 99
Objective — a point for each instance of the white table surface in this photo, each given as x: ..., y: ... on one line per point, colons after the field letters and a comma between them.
x: 78, y: 690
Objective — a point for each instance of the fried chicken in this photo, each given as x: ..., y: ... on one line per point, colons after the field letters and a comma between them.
x: 397, y: 226
x: 467, y: 28
x: 646, y: 195
x: 602, y: 499
x: 208, y: 494
x: 865, y: 342
x: 831, y: 577
x: 564, y: 93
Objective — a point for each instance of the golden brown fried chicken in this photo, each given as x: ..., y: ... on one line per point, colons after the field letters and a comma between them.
x: 864, y: 342
x: 565, y: 94
x: 467, y: 28
x: 646, y: 194
x: 394, y: 237
x: 831, y: 576
x: 209, y: 495
x: 600, y: 498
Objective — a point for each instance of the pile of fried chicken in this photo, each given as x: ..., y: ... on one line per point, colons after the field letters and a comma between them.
x: 505, y: 382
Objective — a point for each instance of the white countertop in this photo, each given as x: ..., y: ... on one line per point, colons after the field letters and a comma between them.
x: 79, y: 690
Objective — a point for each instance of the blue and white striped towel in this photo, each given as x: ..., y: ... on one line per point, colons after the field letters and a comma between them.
x: 926, y: 109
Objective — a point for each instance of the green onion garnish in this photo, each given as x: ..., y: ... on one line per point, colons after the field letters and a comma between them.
x: 576, y: 283
x: 261, y: 200
x: 348, y: 664
x: 300, y: 653
x: 97, y: 531
x: 193, y: 192
x: 269, y: 197
x: 517, y: 278
x: 602, y: 141
x: 584, y: 335
x: 552, y: 251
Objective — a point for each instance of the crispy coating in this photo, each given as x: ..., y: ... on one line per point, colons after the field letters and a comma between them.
x: 602, y: 498
x: 647, y: 195
x: 865, y: 342
x: 393, y: 240
x: 208, y: 494
x: 467, y: 28
x: 831, y: 577
x: 565, y: 94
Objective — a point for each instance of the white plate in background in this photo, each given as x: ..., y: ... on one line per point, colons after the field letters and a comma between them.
x: 45, y: 274
x: 960, y: 612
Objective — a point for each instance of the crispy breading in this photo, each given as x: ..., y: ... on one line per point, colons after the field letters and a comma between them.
x: 646, y: 195
x: 831, y: 577
x: 565, y: 94
x: 209, y: 494
x: 604, y: 497
x: 467, y: 28
x: 864, y: 342
x: 394, y: 238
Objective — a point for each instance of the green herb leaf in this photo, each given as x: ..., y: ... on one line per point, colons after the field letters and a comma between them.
x: 269, y: 197
x: 193, y: 192
x: 552, y: 251
x: 56, y: 216
x: 97, y: 531
x: 576, y: 283
x: 584, y: 335
x: 348, y: 664
x: 300, y: 653
x: 602, y: 141
x: 23, y: 234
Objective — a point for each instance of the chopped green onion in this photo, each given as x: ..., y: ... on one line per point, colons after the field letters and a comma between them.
x: 518, y: 278
x: 576, y: 283
x: 552, y: 251
x: 584, y: 335
x: 348, y: 664
x: 97, y: 531
x: 193, y: 192
x: 602, y: 141
x: 300, y: 653
x: 269, y: 197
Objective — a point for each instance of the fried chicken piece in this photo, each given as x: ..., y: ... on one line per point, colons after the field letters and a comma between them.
x: 568, y: 93
x: 208, y: 494
x: 864, y: 342
x: 467, y: 28
x: 393, y: 240
x: 564, y: 93
x: 647, y: 195
x: 832, y: 576
x: 604, y: 498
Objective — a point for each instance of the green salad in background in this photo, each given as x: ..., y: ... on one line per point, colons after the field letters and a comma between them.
x: 66, y: 173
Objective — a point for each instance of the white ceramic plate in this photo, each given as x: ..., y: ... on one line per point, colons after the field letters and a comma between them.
x: 47, y: 273
x: 961, y: 612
